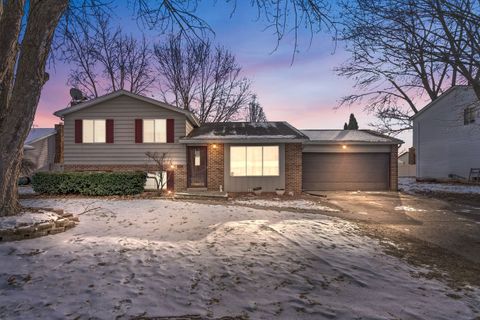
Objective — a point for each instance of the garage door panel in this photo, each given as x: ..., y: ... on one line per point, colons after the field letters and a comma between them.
x: 345, y: 171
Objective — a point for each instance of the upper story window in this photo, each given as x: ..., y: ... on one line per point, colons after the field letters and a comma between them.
x: 94, y: 131
x: 254, y: 161
x: 469, y: 115
x: 155, y: 130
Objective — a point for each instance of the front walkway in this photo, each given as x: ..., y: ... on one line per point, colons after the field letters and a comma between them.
x: 171, y: 258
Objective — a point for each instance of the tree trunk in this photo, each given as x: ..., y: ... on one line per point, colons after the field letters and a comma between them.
x: 9, y: 171
x: 17, y: 111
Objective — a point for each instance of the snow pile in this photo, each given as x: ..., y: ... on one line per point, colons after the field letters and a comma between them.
x: 169, y: 258
x: 25, y: 190
x: 278, y: 203
x: 409, y: 209
x: 27, y: 219
x: 410, y: 185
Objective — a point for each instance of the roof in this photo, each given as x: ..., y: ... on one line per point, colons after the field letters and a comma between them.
x: 443, y: 95
x: 118, y: 93
x: 351, y: 136
x: 245, y: 132
x: 37, y: 134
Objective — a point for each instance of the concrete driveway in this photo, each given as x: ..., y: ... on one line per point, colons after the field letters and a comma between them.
x: 454, y: 226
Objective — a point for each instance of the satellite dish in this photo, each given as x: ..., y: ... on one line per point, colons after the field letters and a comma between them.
x: 76, y: 94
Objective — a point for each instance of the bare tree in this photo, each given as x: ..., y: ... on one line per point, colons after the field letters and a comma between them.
x: 162, y: 166
x: 282, y: 17
x: 402, y: 55
x: 255, y: 111
x: 105, y: 59
x: 201, y: 78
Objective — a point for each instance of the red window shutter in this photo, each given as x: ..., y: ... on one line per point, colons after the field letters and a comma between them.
x: 170, y: 130
x: 78, y: 131
x: 138, y: 131
x: 170, y: 180
x: 109, y: 128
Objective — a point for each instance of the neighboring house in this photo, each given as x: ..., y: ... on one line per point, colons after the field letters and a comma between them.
x: 405, y: 169
x: 115, y: 131
x: 446, y: 135
x: 39, y: 147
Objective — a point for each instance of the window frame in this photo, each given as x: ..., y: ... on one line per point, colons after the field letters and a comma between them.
x: 246, y: 167
x: 469, y: 115
x: 94, y: 130
x: 155, y: 130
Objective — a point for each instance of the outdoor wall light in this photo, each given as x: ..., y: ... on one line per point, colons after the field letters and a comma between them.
x: 172, y: 166
x: 214, y: 146
x: 344, y: 146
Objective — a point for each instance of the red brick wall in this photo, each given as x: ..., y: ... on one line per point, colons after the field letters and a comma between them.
x: 58, y: 144
x: 293, y: 167
x: 394, y: 168
x: 180, y: 171
x: 215, y: 167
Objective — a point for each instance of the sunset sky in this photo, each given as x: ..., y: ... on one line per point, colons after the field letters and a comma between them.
x: 304, y: 93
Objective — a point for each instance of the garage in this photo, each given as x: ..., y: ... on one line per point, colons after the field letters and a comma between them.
x: 345, y: 171
x: 349, y: 160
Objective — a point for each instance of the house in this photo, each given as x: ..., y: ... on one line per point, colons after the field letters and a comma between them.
x: 446, y: 135
x: 40, y: 148
x: 114, y: 132
x: 405, y: 166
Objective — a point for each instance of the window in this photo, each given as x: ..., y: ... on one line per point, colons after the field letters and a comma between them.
x: 254, y: 161
x: 155, y: 130
x: 238, y: 157
x: 197, y: 158
x: 469, y: 115
x: 94, y: 131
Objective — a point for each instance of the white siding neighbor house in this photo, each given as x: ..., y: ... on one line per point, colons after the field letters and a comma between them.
x: 446, y: 135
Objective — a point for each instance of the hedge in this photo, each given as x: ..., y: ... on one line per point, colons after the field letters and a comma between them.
x: 89, y: 183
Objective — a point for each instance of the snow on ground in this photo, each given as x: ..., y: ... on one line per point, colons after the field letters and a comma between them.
x: 164, y: 258
x: 279, y: 203
x: 410, y: 185
x: 25, y: 190
x: 27, y: 218
x: 409, y: 209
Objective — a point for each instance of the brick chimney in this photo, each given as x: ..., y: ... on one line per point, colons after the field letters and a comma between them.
x: 59, y: 143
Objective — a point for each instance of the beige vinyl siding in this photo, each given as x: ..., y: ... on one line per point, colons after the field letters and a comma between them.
x: 123, y: 110
x: 43, y: 153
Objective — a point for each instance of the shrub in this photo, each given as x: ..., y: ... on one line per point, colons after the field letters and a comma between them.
x: 89, y: 183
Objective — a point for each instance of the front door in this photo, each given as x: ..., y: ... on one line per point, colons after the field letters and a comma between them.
x: 197, y: 167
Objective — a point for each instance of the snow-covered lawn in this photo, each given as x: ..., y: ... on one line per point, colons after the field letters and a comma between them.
x: 279, y: 203
x: 410, y: 185
x: 161, y: 258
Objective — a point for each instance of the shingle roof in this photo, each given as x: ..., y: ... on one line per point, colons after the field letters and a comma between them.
x: 245, y: 130
x: 36, y: 134
x: 355, y: 136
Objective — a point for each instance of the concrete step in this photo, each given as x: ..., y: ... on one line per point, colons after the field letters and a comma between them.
x: 201, y: 195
